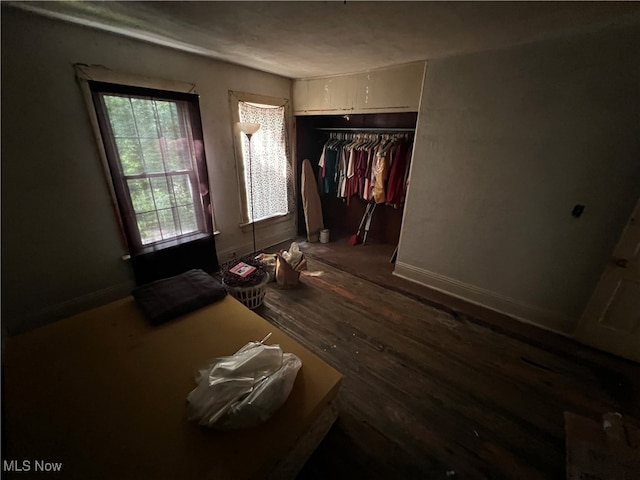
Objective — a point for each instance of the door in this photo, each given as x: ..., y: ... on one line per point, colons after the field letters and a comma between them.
x: 611, y: 321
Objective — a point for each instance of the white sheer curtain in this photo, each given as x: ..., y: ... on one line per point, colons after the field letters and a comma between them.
x: 269, y: 167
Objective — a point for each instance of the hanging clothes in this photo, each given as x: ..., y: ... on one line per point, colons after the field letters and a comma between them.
x: 381, y: 173
x: 396, y: 184
x: 342, y: 174
x: 352, y: 179
x: 371, y: 166
x: 321, y: 164
x: 329, y: 170
x: 360, y: 172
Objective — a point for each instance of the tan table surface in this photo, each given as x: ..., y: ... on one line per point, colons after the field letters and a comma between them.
x: 104, y: 393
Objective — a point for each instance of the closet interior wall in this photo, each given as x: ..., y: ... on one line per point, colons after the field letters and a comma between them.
x: 340, y: 218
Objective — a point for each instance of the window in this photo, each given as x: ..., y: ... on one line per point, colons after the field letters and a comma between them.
x: 155, y: 152
x: 267, y: 171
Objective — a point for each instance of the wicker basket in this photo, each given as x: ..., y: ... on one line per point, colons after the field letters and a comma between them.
x: 251, y: 297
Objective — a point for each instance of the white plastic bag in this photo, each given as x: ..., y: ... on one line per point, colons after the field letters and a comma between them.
x: 293, y: 256
x: 244, y: 389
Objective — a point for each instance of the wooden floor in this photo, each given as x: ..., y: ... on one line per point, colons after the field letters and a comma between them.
x: 436, y: 388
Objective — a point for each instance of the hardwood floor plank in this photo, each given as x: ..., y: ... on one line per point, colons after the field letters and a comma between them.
x: 429, y: 390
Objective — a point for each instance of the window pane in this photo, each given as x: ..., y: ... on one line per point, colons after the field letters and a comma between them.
x: 168, y: 116
x: 130, y: 156
x: 188, y: 220
x: 152, y: 155
x: 161, y: 192
x: 141, y: 197
x: 182, y: 190
x: 145, y: 117
x: 120, y: 116
x: 168, y: 224
x: 178, y: 155
x: 149, y: 228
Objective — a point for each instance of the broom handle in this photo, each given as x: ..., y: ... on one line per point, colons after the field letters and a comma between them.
x: 366, y: 228
x: 364, y: 217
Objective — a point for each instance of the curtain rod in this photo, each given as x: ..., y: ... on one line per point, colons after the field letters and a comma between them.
x: 382, y: 130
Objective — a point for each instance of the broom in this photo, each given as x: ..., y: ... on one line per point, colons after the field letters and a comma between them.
x: 357, y: 239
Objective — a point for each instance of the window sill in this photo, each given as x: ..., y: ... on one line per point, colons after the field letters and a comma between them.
x: 266, y: 222
x: 172, y: 243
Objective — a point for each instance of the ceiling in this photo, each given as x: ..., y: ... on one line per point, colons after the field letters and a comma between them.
x: 309, y: 39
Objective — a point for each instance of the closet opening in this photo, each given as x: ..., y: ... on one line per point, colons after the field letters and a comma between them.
x: 344, y: 201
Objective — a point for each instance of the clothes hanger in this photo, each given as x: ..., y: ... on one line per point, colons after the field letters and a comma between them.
x: 371, y: 141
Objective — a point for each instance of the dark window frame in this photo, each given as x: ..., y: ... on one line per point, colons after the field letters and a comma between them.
x: 197, y: 174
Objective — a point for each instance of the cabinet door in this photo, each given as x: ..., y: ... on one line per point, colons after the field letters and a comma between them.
x: 394, y: 89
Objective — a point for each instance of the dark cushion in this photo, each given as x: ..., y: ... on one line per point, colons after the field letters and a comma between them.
x: 171, y: 297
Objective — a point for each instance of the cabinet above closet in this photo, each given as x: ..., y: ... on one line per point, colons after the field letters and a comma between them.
x: 394, y: 89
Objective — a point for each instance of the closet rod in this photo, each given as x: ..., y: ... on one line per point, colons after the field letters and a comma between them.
x: 381, y: 130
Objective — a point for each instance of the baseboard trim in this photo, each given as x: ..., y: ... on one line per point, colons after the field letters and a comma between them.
x: 524, y: 312
x: 67, y: 308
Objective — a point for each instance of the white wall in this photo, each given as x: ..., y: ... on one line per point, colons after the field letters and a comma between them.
x: 61, y: 250
x: 507, y: 143
x: 393, y: 89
